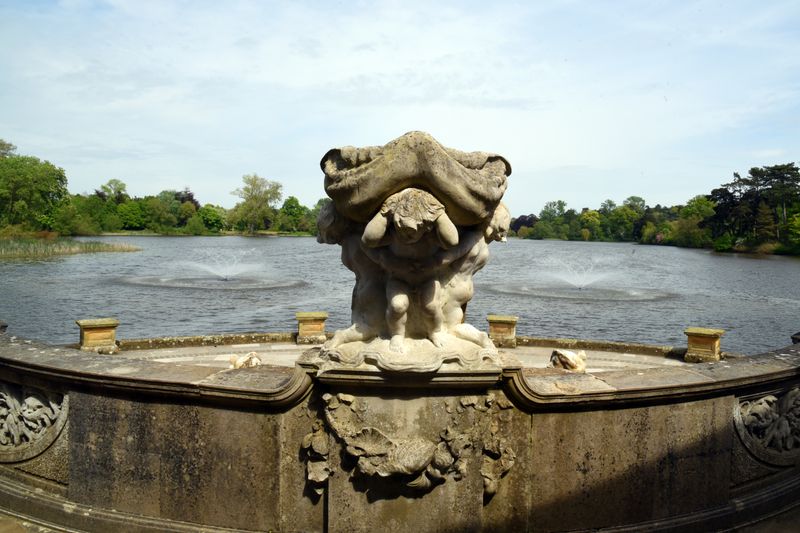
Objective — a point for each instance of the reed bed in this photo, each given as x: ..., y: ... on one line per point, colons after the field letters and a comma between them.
x: 41, y: 248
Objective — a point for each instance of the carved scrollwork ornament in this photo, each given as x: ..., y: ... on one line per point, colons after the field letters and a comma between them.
x: 769, y: 426
x: 30, y: 420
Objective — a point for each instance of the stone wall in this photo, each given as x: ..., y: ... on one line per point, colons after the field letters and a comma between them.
x: 134, y: 449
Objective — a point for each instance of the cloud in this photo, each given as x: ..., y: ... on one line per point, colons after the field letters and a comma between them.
x: 586, y: 99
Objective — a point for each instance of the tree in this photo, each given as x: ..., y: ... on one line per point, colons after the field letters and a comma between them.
x: 195, y: 225
x: 636, y: 203
x: 765, y: 223
x: 187, y: 196
x: 30, y: 189
x: 213, y: 217
x: 257, y: 208
x: 292, y: 216
x: 620, y: 223
x: 159, y: 211
x: 553, y: 210
x: 115, y: 190
x: 783, y: 182
x: 794, y: 230
x: 699, y: 206
x: 607, y: 206
x: 523, y: 221
x: 132, y: 215
x: 590, y: 221
x: 6, y: 148
x: 185, y: 212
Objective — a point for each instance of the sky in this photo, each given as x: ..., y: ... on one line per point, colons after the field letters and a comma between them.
x: 588, y: 100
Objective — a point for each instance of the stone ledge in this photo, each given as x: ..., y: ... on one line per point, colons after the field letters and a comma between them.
x: 221, y: 339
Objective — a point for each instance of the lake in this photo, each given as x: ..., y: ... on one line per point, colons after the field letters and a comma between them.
x: 609, y: 291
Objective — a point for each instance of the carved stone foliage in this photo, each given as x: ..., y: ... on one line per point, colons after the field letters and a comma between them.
x: 30, y: 420
x: 415, y: 462
x: 770, y: 426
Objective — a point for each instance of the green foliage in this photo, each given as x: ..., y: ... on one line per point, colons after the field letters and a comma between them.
x: 794, y: 230
x: 687, y: 233
x: 69, y: 219
x: 6, y: 148
x: 723, y: 243
x: 553, y: 211
x: 160, y: 211
x: 636, y: 203
x: 591, y: 221
x: 292, y: 216
x: 257, y: 209
x: 30, y: 190
x: 525, y: 232
x: 619, y: 223
x: 195, y: 226
x: 213, y: 217
x: 115, y: 191
x: 765, y: 223
x: 132, y: 215
x: 699, y: 207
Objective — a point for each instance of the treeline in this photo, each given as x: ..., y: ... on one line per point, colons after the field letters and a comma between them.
x: 759, y: 212
x: 34, y: 197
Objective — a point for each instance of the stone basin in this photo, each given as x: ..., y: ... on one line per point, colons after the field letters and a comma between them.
x: 167, y: 437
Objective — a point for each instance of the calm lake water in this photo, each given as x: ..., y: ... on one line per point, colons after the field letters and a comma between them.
x: 611, y: 291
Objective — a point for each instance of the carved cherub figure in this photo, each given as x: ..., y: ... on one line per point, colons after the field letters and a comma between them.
x: 464, y: 261
x: 410, y: 227
x: 368, y: 301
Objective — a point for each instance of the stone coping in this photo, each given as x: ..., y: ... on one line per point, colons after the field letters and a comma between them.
x: 219, y: 339
x: 606, y: 346
x: 504, y: 319
x: 98, y: 323
x: 704, y: 332
x: 311, y: 315
x: 274, y: 385
x: 280, y: 386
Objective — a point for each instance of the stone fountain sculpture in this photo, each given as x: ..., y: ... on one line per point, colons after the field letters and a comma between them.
x: 414, y: 220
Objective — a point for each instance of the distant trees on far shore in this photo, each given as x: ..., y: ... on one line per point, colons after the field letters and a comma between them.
x: 759, y: 212
x: 34, y: 197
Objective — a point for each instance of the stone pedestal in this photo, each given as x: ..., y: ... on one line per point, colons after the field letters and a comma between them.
x: 311, y: 327
x: 703, y: 345
x: 98, y: 335
x: 503, y: 330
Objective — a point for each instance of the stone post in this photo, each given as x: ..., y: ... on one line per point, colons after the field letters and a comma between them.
x: 99, y: 335
x: 703, y: 345
x: 503, y: 330
x: 311, y: 327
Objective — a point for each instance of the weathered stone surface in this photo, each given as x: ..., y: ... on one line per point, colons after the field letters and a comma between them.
x: 703, y: 344
x: 181, y: 462
x: 604, y: 468
x: 200, y: 447
x: 311, y: 327
x: 98, y: 334
x: 469, y: 184
x: 394, y: 500
x: 503, y: 330
x: 53, y: 463
x: 414, y: 220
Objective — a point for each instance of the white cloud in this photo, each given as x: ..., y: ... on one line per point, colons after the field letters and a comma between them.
x: 587, y: 100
